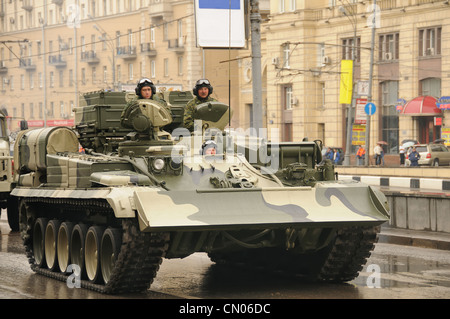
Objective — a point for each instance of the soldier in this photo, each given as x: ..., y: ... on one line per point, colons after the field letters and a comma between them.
x: 145, y: 89
x: 202, y: 92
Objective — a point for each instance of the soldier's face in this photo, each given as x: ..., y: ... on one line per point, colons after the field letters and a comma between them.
x: 203, y: 92
x: 146, y: 92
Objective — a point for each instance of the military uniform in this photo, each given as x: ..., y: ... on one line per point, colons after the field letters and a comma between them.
x: 190, y: 110
x: 132, y: 108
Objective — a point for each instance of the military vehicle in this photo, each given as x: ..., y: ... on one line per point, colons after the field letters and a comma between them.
x: 6, y: 178
x: 138, y: 196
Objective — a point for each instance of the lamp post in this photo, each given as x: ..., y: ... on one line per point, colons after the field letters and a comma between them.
x: 348, y: 145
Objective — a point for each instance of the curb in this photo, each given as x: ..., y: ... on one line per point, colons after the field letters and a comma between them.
x: 405, y: 182
x: 414, y: 238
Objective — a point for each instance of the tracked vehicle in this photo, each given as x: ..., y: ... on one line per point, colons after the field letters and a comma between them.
x: 138, y: 196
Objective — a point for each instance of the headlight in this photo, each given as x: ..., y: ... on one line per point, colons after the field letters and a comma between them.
x: 158, y: 164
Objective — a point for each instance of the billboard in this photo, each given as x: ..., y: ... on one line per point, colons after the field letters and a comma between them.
x: 220, y: 23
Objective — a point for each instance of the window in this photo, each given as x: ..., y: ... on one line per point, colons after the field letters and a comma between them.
x: 166, y: 67
x: 31, y: 110
x: 31, y: 85
x: 61, y: 78
x: 70, y: 77
x: 280, y: 6
x: 430, y: 86
x: 165, y: 31
x: 153, y: 68
x: 430, y: 42
x: 83, y: 44
x: 286, y: 53
x: 388, y: 47
x: 287, y: 97
x: 52, y: 79
x: 390, y: 124
x: 180, y: 65
x: 292, y: 5
x: 105, y: 74
x: 130, y: 71
x: 347, y: 49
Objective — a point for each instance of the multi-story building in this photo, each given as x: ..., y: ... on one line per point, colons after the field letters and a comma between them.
x: 76, y: 46
x: 305, y: 43
x: 54, y: 50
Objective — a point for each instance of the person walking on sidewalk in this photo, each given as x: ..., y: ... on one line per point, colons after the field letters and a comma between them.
x: 360, y: 155
x: 402, y: 155
x: 378, y: 152
x: 414, y: 157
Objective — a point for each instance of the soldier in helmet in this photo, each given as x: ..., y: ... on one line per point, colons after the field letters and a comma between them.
x: 145, y: 89
x: 202, y: 92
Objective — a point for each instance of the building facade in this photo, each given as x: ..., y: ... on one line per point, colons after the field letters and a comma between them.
x: 55, y: 50
x: 305, y: 44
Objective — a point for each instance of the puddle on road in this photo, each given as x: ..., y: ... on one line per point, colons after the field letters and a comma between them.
x: 403, y: 272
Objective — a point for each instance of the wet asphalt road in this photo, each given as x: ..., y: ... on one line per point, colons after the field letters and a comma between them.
x: 404, y: 272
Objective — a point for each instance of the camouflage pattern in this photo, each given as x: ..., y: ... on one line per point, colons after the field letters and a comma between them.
x: 164, y: 195
x: 132, y: 109
x: 6, y: 172
x: 194, y: 201
x: 190, y: 110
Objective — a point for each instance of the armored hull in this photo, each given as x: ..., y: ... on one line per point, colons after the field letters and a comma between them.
x: 112, y: 218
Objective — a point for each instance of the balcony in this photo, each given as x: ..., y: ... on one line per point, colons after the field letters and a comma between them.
x: 176, y: 45
x: 27, y: 5
x: 127, y: 52
x: 160, y: 9
x: 58, y: 2
x: 27, y: 64
x: 57, y: 61
x: 148, y: 49
x: 3, y: 68
x: 90, y: 57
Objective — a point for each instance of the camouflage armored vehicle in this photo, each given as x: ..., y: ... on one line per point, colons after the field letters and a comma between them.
x: 6, y: 178
x: 136, y: 197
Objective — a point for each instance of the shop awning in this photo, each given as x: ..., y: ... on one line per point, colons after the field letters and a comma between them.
x: 421, y: 106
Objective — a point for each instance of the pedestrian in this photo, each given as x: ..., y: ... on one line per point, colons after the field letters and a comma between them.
x: 414, y: 157
x: 378, y: 150
x: 336, y: 156
x: 360, y: 155
x: 202, y: 91
x: 329, y: 154
x: 402, y: 155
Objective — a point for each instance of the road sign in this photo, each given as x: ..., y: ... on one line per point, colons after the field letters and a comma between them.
x: 370, y: 108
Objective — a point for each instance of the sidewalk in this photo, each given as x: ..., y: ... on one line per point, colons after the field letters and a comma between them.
x: 415, y: 238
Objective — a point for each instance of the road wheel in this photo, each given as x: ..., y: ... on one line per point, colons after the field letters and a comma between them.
x: 77, y: 247
x: 51, y: 233
x: 111, y: 242
x: 63, y: 246
x: 92, y: 253
x: 38, y: 241
x: 436, y: 162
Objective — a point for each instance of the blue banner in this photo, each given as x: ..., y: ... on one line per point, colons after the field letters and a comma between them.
x: 219, y: 4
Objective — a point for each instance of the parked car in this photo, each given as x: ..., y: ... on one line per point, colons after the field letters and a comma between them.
x: 431, y: 155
